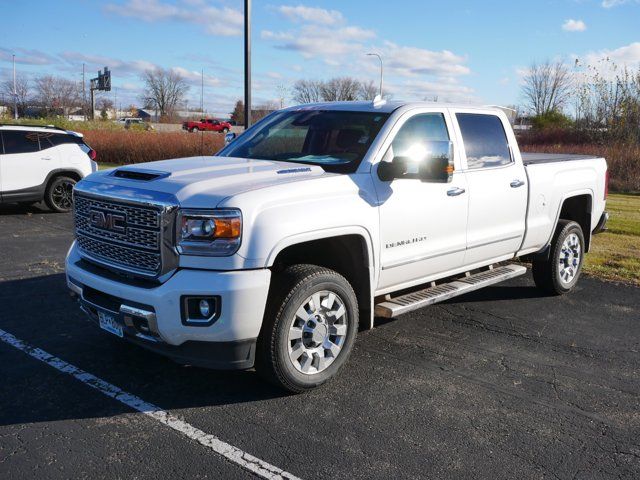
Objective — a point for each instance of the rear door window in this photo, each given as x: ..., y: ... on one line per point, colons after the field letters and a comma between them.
x: 48, y: 140
x: 20, y: 142
x: 485, y: 140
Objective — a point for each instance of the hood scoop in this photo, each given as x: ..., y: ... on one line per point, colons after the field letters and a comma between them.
x: 141, y: 175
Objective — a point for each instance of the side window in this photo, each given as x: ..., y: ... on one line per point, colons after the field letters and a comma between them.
x: 20, y: 142
x: 48, y: 140
x: 416, y: 132
x: 485, y: 140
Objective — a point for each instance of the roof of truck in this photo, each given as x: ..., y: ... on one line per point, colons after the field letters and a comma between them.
x: 386, y: 107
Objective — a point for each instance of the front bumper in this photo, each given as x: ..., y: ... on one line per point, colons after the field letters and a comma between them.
x: 151, y: 314
x: 602, y: 223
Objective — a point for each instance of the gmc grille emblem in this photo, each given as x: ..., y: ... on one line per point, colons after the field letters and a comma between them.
x: 116, y: 222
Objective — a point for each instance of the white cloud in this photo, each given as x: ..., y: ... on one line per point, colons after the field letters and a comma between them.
x: 572, y: 25
x: 320, y: 41
x: 615, y: 3
x: 311, y: 14
x: 220, y: 21
x: 27, y: 57
x: 439, y: 90
x: 626, y: 56
x: 412, y: 61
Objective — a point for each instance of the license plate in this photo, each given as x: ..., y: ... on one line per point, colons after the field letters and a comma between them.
x: 108, y: 322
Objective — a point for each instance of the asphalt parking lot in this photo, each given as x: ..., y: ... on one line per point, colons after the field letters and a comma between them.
x: 501, y: 383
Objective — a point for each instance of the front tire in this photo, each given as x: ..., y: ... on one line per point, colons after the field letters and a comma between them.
x: 59, y: 194
x: 560, y: 272
x: 194, y: 130
x: 225, y: 130
x: 309, y: 329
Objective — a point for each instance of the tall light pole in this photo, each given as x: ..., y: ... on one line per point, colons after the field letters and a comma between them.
x: 15, y: 91
x: 381, y: 68
x: 247, y: 64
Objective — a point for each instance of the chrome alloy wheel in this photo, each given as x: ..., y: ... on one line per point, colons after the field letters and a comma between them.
x: 569, y: 260
x: 62, y: 195
x: 318, y: 332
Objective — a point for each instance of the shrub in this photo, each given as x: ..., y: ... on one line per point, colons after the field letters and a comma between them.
x: 551, y: 120
x: 623, y: 161
x: 125, y: 147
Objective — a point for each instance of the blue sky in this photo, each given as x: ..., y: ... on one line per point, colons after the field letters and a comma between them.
x: 472, y: 51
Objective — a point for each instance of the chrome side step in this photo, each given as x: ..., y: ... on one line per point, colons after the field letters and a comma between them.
x: 414, y: 300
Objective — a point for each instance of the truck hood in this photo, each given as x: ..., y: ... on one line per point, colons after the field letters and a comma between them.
x: 203, y: 182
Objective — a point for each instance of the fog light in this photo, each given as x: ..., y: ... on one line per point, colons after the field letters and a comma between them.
x: 200, y: 311
x: 205, y: 308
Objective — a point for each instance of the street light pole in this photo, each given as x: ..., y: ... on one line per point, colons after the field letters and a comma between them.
x: 247, y: 64
x: 381, y: 69
x: 15, y: 91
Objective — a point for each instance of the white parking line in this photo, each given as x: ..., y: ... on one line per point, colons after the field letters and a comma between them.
x: 231, y: 453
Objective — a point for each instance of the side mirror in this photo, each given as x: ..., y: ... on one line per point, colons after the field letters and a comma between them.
x: 428, y: 162
x: 229, y: 137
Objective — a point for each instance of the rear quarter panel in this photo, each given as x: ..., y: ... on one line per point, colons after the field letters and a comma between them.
x: 550, y: 184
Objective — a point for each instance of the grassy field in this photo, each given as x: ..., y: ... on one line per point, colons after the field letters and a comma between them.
x: 615, y: 254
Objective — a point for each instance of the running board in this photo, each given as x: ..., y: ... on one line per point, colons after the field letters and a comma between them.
x: 414, y: 300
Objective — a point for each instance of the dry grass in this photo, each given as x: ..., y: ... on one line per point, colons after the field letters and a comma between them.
x: 125, y: 147
x: 623, y: 161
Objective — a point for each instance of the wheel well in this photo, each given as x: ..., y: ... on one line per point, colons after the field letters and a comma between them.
x: 578, y: 209
x: 65, y: 173
x: 347, y: 255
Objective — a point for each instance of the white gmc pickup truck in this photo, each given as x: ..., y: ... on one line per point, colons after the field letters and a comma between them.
x: 272, y: 253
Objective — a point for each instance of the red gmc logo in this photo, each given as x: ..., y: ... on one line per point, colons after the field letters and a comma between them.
x: 116, y: 222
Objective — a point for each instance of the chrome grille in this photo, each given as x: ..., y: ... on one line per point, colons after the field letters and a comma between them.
x: 135, y: 248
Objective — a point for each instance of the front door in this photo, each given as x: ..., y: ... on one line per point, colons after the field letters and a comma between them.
x: 422, y: 224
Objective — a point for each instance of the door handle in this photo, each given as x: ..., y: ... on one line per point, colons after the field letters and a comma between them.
x: 45, y: 158
x: 517, y: 183
x: 454, y: 192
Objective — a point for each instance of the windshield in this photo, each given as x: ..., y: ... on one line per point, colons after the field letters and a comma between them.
x: 335, y: 140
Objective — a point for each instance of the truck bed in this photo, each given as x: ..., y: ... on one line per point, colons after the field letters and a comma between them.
x: 534, y: 158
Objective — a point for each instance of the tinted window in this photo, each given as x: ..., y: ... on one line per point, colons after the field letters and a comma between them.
x: 20, y: 142
x: 484, y: 140
x: 428, y: 127
x: 48, y: 140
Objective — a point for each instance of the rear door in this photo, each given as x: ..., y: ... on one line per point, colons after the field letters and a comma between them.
x: 23, y: 165
x: 497, y: 187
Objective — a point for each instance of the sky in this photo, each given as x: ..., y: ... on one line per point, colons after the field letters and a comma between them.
x: 463, y: 51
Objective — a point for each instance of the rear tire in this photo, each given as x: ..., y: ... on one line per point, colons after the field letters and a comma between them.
x: 58, y: 195
x: 309, y: 329
x: 194, y: 130
x: 559, y: 274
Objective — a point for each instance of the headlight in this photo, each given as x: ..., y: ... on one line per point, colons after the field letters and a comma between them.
x: 209, y: 232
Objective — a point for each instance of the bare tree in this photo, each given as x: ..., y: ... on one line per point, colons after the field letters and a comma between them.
x: 164, y: 90
x: 340, y: 89
x: 306, y: 91
x: 368, y: 90
x: 547, y: 87
x: 21, y: 94
x: 334, y: 90
x: 57, y: 94
x: 104, y: 104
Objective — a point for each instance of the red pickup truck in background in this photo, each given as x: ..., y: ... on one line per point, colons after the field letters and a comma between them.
x: 210, y: 124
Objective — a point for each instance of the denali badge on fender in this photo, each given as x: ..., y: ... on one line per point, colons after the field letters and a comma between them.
x: 116, y: 222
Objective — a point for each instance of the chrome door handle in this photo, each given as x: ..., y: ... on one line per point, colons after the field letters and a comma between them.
x: 454, y: 192
x: 45, y: 158
x: 516, y: 183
